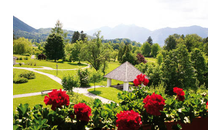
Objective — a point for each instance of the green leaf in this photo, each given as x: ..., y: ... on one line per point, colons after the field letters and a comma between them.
x: 23, y: 110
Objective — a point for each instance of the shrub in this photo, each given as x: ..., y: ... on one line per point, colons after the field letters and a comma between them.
x: 142, y: 67
x: 95, y: 76
x: 20, y: 80
x: 69, y: 82
x: 26, y: 58
x: 20, y: 58
x: 26, y: 54
x: 159, y: 58
x: 28, y: 75
x: 140, y: 58
x: 84, y: 77
x: 104, y: 115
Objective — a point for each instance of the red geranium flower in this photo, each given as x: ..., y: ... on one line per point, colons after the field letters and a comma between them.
x: 82, y: 112
x: 154, y: 104
x: 180, y: 93
x: 136, y: 82
x: 207, y: 105
x: 56, y: 98
x: 141, y: 79
x: 146, y: 81
x: 128, y: 120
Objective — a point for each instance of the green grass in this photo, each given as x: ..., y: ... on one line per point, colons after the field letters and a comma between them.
x: 106, y: 92
x: 151, y: 60
x: 61, y: 73
x: 41, y: 82
x: 52, y: 64
x: 32, y: 101
x: 39, y: 99
x: 27, y: 66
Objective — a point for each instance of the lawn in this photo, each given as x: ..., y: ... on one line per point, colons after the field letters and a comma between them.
x: 60, y: 73
x: 41, y: 82
x: 50, y: 63
x: 107, y: 92
x: 27, y: 66
x: 151, y: 60
x: 39, y: 99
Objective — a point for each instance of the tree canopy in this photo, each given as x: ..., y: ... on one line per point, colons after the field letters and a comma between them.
x: 95, y: 52
x: 21, y: 46
x: 54, y: 47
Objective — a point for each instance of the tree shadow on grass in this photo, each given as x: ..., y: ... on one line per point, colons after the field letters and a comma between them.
x: 70, y: 63
x: 96, y: 92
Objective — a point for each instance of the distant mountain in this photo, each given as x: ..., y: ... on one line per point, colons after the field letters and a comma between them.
x: 160, y: 35
x: 141, y: 34
x: 21, y: 29
x: 20, y: 25
x: 131, y: 32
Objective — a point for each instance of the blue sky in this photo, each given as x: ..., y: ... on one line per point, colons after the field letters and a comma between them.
x: 91, y: 14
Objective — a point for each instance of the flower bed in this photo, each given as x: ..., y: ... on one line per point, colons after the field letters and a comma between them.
x: 138, y: 110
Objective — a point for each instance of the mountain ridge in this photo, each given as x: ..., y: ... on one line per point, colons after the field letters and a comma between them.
x: 132, y: 32
x: 140, y: 34
x: 20, y: 25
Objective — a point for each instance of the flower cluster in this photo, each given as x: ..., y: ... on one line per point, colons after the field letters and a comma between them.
x: 128, y: 120
x: 141, y: 79
x: 207, y: 105
x: 154, y: 104
x: 82, y: 112
x: 56, y: 98
x: 180, y: 93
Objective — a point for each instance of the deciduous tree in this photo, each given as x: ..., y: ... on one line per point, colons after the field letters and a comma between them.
x: 170, y: 43
x: 146, y: 49
x: 21, y: 46
x: 94, y: 52
x: 155, y: 48
x: 198, y: 62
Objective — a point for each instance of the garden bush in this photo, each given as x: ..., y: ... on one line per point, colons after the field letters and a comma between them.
x: 84, y: 77
x: 28, y: 75
x: 20, y: 58
x: 18, y: 80
x: 26, y: 58
x: 69, y: 82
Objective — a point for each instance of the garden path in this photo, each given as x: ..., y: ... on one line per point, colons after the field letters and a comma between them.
x: 78, y: 90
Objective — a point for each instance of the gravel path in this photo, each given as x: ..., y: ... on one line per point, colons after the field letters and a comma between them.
x: 78, y: 90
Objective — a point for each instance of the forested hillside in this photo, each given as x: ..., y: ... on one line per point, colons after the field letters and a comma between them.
x: 140, y: 34
x: 22, y: 29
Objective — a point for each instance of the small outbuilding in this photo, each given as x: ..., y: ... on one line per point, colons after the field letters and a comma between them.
x: 14, y: 60
x: 126, y: 72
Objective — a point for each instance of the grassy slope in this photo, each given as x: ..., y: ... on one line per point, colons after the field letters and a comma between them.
x: 41, y: 82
